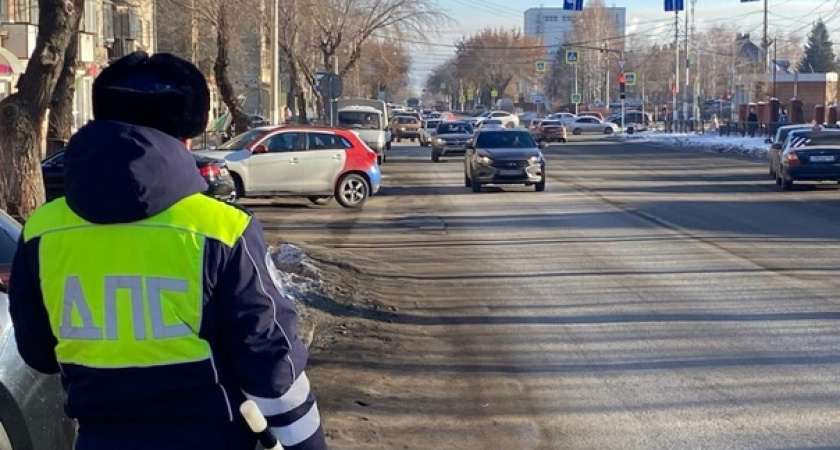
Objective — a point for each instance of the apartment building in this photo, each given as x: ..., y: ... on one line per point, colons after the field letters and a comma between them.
x: 109, y: 29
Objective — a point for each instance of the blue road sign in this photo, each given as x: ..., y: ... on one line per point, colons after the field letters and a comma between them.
x: 674, y: 5
x: 573, y: 5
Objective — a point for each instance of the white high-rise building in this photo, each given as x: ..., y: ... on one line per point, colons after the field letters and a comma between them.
x: 554, y: 25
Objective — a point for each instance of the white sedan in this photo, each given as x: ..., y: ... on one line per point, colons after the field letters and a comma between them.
x: 591, y: 125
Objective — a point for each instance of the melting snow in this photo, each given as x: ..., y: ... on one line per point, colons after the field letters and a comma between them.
x: 746, y: 146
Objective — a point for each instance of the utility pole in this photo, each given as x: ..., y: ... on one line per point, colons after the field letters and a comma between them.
x: 276, y: 116
x: 676, y: 89
x: 686, y: 102
x: 606, y: 74
x: 765, y: 43
x: 577, y: 91
x: 695, y: 108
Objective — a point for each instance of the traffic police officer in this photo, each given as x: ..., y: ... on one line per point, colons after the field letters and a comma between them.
x: 158, y: 305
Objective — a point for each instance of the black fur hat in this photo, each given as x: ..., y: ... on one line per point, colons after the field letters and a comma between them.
x: 161, y: 91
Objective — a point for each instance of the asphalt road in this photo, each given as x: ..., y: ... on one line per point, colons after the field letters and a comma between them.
x: 649, y: 298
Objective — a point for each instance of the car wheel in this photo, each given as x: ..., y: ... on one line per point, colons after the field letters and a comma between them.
x: 388, y: 146
x: 352, y: 191
x: 435, y: 157
x: 319, y: 200
x: 379, y: 160
x: 399, y: 139
x: 238, y: 186
x: 475, y: 185
x: 562, y: 140
x: 785, y: 183
x: 608, y: 130
x: 412, y: 139
x: 467, y: 181
x: 540, y: 186
x: 576, y: 131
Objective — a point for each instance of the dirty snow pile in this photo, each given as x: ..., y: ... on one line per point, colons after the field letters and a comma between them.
x: 711, y: 141
x: 294, y: 271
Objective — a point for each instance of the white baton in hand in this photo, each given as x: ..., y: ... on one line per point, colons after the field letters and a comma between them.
x: 259, y: 425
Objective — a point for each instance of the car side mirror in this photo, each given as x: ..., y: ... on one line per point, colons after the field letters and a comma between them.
x: 776, y: 146
x: 259, y: 149
x: 768, y: 141
x: 542, y: 145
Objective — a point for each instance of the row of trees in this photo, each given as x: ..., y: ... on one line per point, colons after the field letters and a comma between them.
x: 504, y: 59
x: 358, y: 39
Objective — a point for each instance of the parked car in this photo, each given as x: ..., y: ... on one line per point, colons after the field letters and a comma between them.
x: 220, y: 184
x: 504, y: 156
x: 427, y: 132
x: 777, y: 140
x: 32, y: 405
x: 451, y: 138
x: 588, y: 124
x: 809, y: 156
x: 318, y: 163
x: 405, y: 127
x: 549, y: 130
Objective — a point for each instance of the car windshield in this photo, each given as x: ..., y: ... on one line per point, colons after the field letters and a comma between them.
x: 505, y: 139
x: 359, y: 119
x: 242, y: 141
x: 551, y: 122
x: 432, y: 123
x: 492, y: 122
x: 454, y: 128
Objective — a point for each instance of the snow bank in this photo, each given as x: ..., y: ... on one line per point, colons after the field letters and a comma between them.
x: 712, y: 142
x: 297, y: 274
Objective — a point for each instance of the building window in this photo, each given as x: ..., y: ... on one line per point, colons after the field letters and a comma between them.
x: 108, y: 22
x: 90, y: 24
x: 22, y: 11
x: 126, y: 23
x: 568, y: 19
x: 551, y: 18
x: 4, y: 11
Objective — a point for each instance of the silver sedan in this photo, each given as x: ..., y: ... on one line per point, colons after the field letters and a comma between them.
x: 591, y: 125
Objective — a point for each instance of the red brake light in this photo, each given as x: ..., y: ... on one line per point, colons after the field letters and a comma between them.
x: 210, y: 171
x: 792, y: 158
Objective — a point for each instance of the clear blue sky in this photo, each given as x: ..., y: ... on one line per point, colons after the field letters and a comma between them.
x: 642, y: 16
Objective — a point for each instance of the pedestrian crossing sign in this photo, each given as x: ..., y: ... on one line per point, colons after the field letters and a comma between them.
x: 630, y: 78
x: 572, y: 57
x: 576, y: 98
x: 539, y: 66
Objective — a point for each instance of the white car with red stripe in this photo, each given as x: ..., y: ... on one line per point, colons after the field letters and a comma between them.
x: 301, y: 161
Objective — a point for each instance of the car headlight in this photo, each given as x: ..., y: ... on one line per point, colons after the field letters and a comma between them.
x: 484, y: 160
x: 439, y: 141
x: 534, y: 159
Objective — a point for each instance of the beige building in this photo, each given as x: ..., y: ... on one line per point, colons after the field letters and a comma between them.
x: 109, y: 29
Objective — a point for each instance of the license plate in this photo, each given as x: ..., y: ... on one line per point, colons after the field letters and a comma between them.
x: 509, y: 172
x: 822, y: 159
x: 224, y: 172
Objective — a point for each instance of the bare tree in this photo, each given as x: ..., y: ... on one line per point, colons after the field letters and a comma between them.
x: 595, y: 27
x: 221, y: 15
x: 22, y: 114
x: 493, y: 59
x: 60, y: 125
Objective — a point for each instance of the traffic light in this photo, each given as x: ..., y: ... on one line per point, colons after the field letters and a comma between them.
x: 622, y: 85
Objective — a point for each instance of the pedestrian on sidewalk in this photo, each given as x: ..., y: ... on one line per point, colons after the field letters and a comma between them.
x: 752, y: 122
